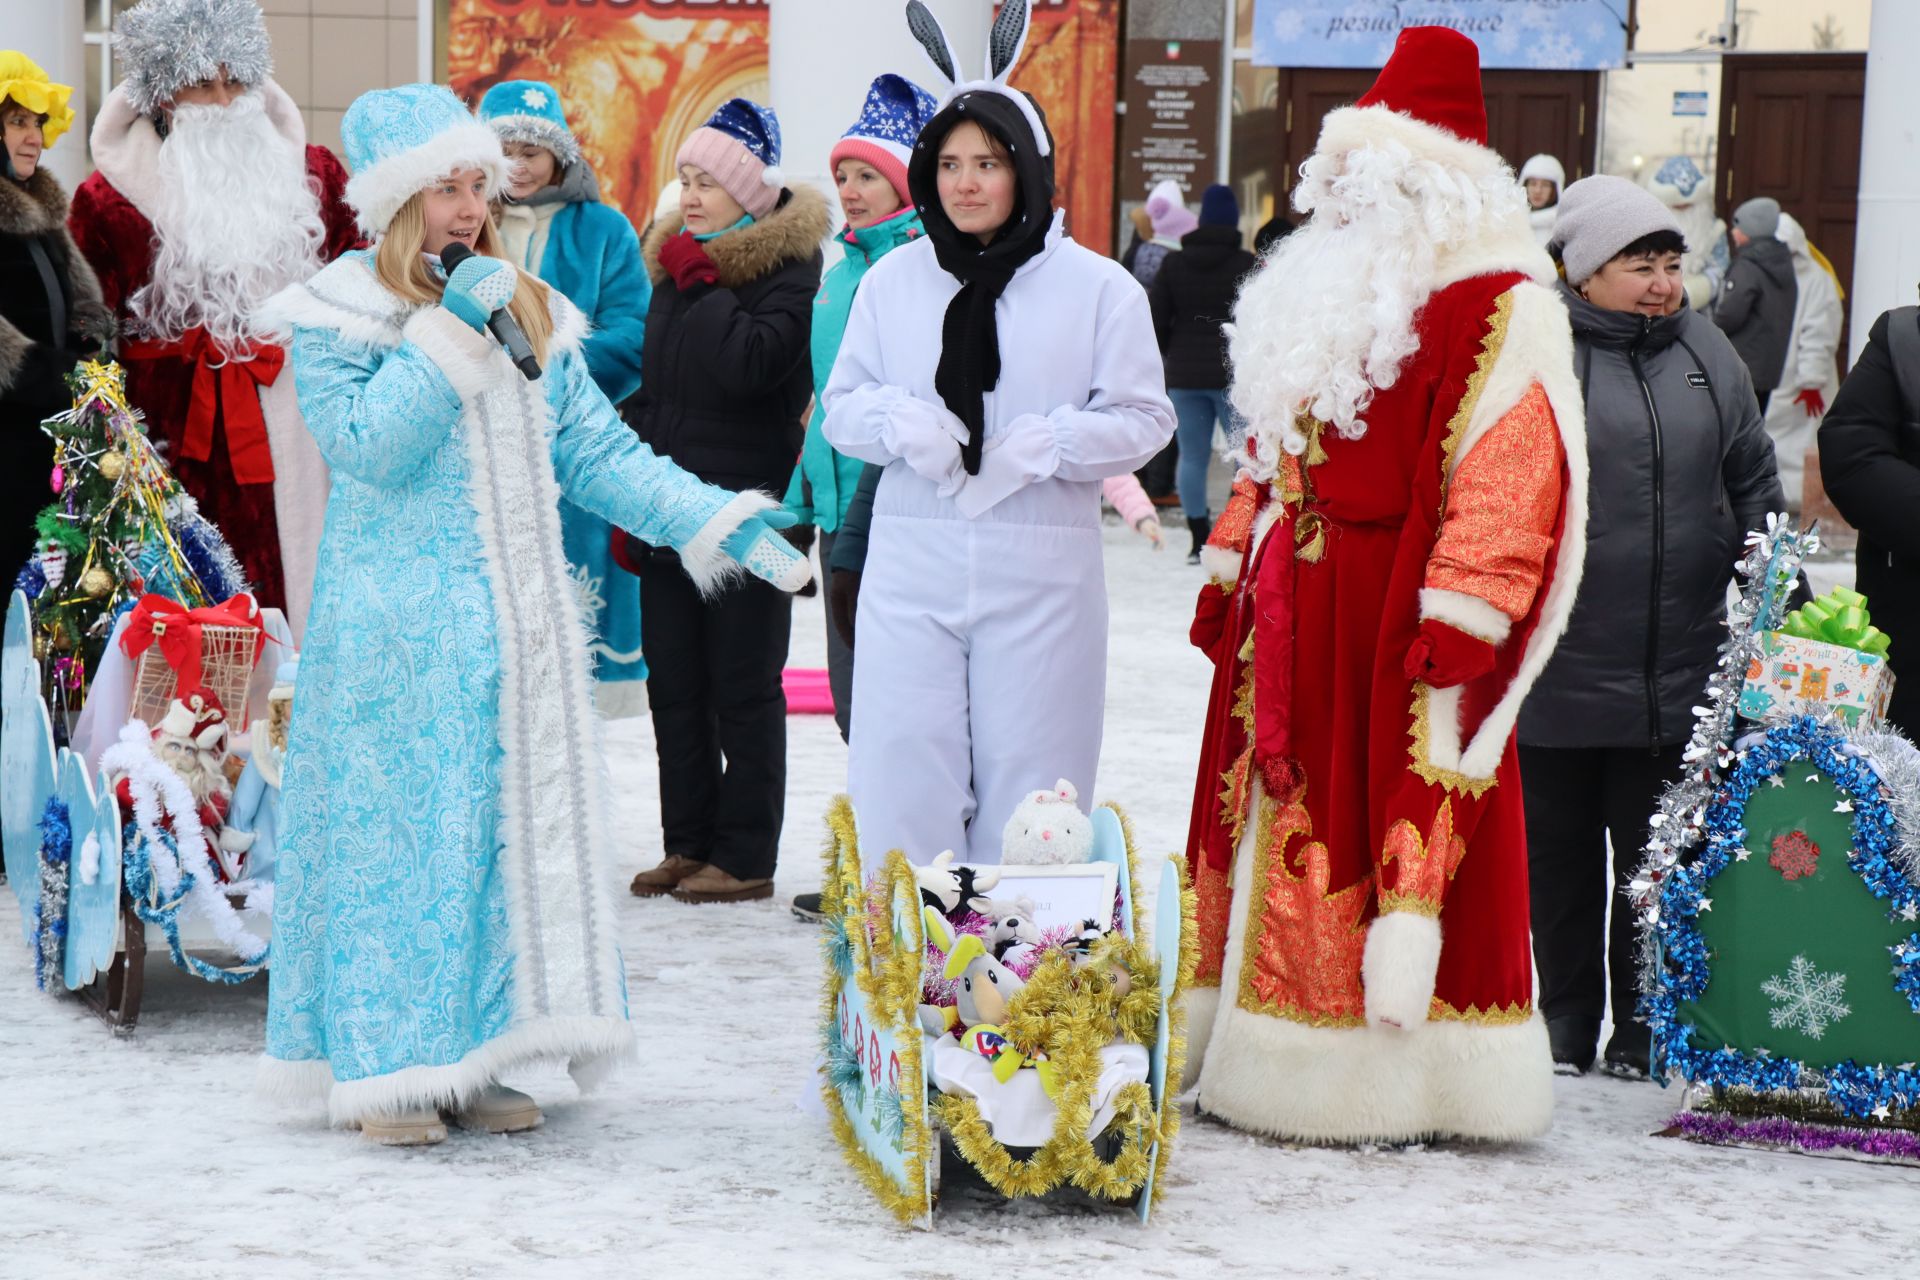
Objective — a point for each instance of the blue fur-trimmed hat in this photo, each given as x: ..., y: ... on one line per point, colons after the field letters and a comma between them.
x: 740, y: 146
x: 399, y: 140
x: 530, y: 111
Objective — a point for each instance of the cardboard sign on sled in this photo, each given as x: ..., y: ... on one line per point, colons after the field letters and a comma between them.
x: 882, y: 1095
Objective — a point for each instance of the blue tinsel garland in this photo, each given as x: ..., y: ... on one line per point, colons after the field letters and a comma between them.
x: 138, y: 865
x: 1683, y: 972
x: 31, y: 580
x: 49, y: 935
x: 209, y: 556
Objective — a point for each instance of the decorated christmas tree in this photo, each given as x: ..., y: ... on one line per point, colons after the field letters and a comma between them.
x: 119, y: 527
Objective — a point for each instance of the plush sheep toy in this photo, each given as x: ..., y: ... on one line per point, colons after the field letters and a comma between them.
x: 1048, y: 829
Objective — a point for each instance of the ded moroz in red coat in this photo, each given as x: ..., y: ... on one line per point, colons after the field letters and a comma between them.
x: 1358, y: 841
x: 273, y: 523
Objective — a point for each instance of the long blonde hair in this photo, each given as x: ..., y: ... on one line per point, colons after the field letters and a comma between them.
x: 398, y: 264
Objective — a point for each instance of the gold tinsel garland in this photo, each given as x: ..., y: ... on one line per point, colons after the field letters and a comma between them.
x: 845, y: 897
x: 1068, y: 1014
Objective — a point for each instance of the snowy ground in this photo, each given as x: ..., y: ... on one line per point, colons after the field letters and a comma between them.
x: 146, y: 1156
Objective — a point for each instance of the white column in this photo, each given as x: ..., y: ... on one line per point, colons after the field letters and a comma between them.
x: 820, y: 68
x: 1886, y: 244
x: 51, y: 33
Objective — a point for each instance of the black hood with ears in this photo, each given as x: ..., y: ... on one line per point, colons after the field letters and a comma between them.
x: 997, y: 113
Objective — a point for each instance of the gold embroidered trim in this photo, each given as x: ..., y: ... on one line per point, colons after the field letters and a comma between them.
x: 1391, y: 901
x: 1476, y: 382
x: 1420, y: 751
x: 1316, y: 980
x: 1492, y: 1016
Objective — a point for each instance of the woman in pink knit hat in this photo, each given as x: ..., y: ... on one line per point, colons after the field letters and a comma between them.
x: 725, y: 381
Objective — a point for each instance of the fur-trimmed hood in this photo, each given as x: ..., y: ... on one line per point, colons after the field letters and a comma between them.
x: 793, y: 232
x: 38, y: 207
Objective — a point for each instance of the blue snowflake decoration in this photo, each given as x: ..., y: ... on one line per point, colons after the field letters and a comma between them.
x: 1682, y: 973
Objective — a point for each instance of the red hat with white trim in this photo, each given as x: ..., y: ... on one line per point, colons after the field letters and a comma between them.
x: 1434, y: 76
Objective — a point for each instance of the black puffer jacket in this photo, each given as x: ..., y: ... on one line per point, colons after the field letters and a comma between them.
x: 1870, y: 463
x: 1192, y: 297
x: 1756, y: 310
x: 1680, y: 467
x: 51, y: 316
x: 725, y: 374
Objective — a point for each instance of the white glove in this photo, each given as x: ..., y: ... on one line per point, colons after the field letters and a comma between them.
x: 927, y: 437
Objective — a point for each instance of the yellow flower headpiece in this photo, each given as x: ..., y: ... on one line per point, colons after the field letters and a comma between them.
x: 22, y: 80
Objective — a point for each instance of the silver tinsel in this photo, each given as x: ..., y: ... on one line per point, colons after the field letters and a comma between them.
x: 1769, y: 569
x: 1897, y: 761
x: 168, y: 44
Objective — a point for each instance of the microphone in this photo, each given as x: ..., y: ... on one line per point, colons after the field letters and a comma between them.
x: 500, y: 323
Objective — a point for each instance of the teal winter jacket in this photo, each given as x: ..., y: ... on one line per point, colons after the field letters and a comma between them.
x: 824, y: 481
x: 593, y: 257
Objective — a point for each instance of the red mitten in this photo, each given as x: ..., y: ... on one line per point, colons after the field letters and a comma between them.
x: 687, y: 262
x: 1812, y: 401
x: 1443, y: 656
x: 1210, y: 620
x: 627, y: 551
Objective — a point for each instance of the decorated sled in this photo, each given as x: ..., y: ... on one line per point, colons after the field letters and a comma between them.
x: 1781, y: 892
x: 132, y: 615
x: 1073, y: 1084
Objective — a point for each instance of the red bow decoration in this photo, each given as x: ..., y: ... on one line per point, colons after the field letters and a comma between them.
x: 176, y: 629
x: 223, y: 381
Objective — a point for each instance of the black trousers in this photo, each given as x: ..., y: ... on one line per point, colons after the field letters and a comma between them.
x: 1157, y: 476
x: 719, y: 715
x: 1576, y: 798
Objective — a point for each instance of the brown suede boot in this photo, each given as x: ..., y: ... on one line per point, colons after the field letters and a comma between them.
x: 665, y: 877
x: 711, y: 884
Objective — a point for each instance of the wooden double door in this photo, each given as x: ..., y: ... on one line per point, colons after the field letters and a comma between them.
x: 1528, y: 112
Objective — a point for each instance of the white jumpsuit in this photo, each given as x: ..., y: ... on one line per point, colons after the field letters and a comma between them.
x: 982, y: 627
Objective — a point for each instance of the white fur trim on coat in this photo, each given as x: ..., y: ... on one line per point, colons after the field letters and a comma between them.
x: 462, y: 353
x: 591, y: 1047
x: 346, y: 298
x: 1398, y: 968
x: 710, y: 567
x: 1362, y: 1084
x: 1538, y: 349
x: 1466, y: 613
x: 377, y: 192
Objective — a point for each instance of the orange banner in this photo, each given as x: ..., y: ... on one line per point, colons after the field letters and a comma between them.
x: 637, y: 76
x: 1072, y: 68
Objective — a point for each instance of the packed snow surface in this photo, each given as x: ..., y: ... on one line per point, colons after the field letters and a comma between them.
x: 148, y: 1156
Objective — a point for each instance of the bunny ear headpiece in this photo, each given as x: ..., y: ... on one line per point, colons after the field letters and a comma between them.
x: 1005, y: 42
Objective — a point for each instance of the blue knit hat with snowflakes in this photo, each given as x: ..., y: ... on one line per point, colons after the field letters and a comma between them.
x: 739, y: 146
x: 398, y: 141
x: 530, y: 111
x: 895, y: 111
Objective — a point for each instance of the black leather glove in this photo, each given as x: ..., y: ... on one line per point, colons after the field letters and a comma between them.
x: 843, y: 598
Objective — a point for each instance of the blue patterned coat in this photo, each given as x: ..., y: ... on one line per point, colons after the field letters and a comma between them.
x: 441, y: 911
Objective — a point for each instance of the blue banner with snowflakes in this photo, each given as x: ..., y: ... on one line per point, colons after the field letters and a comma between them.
x: 1543, y: 35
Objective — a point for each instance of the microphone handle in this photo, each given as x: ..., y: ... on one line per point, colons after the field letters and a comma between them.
x: 503, y: 328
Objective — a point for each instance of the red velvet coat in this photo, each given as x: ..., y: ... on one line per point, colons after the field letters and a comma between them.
x: 119, y: 241
x: 1361, y: 807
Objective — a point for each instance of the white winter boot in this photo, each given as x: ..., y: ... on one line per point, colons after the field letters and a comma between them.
x: 405, y: 1127
x: 499, y: 1109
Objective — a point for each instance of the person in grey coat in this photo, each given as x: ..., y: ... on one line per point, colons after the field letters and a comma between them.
x: 1756, y: 308
x: 1680, y: 468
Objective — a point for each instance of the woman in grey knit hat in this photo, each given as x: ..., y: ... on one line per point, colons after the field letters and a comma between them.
x: 1680, y: 469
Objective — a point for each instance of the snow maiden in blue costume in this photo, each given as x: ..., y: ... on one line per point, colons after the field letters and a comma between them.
x: 441, y: 913
x: 554, y: 226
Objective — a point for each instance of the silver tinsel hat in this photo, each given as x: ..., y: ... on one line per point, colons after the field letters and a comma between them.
x: 168, y: 44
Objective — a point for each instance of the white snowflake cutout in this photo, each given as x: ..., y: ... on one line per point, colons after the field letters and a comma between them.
x: 534, y: 98
x: 1806, y: 999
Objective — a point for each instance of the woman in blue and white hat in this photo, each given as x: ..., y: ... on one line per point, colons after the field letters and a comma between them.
x: 553, y: 226
x: 440, y: 914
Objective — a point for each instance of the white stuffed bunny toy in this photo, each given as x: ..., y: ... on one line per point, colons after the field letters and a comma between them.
x: 1048, y: 829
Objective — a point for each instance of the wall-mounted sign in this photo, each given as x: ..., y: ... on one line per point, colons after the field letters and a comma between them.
x: 1171, y: 128
x: 1543, y: 35
x: 1690, y: 102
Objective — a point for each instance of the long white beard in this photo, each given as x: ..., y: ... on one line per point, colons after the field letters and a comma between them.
x: 200, y: 770
x: 1328, y: 319
x: 238, y: 222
